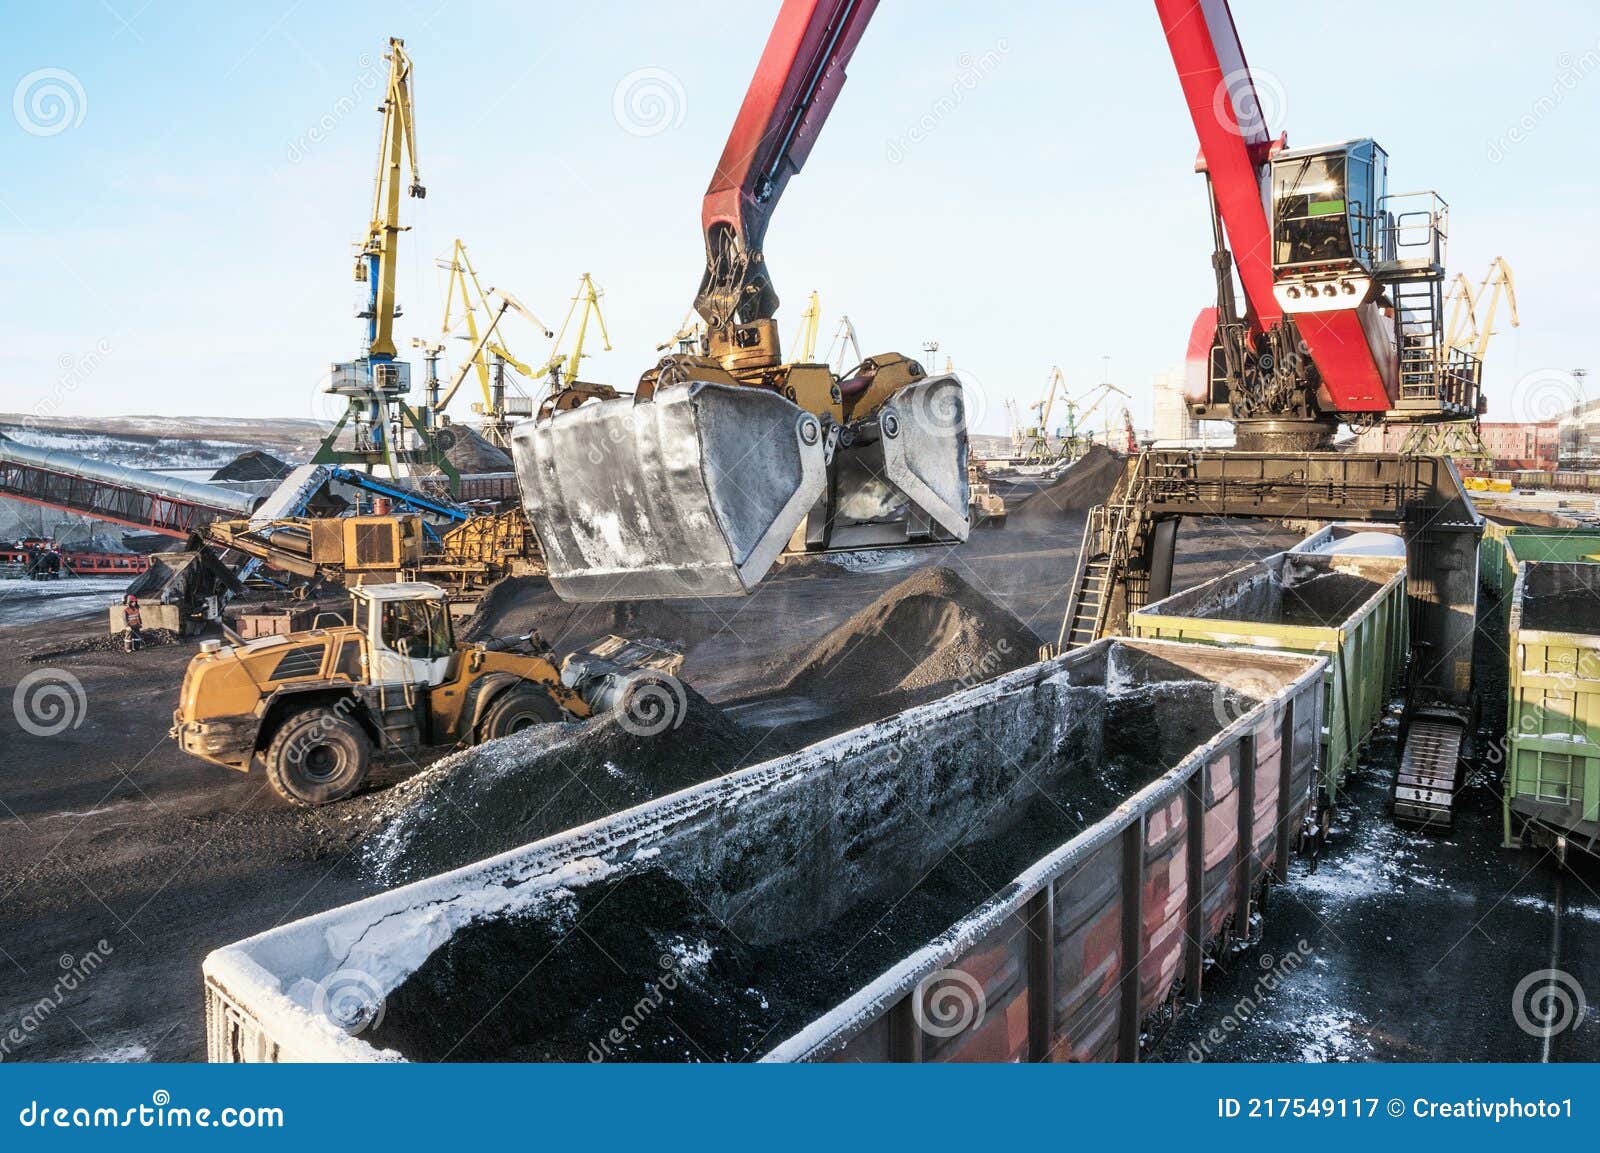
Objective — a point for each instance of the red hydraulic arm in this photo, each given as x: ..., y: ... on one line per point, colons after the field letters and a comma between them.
x: 1348, y: 346
x: 794, y: 89
x: 1234, y: 151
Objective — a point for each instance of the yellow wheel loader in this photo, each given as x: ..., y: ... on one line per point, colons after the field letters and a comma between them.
x: 316, y: 708
x: 724, y: 457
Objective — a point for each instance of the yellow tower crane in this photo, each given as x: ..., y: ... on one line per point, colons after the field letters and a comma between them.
x: 562, y: 368
x: 805, y: 341
x: 465, y: 298
x: 1039, y: 450
x: 376, y: 384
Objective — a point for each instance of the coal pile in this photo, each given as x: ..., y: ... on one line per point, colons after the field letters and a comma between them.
x: 929, y: 635
x: 253, y: 465
x: 1572, y: 611
x: 469, y: 452
x: 518, y: 605
x: 109, y: 643
x: 1088, y: 481
x: 497, y: 796
x: 654, y: 975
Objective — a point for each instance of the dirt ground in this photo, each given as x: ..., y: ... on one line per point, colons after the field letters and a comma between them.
x: 111, y: 835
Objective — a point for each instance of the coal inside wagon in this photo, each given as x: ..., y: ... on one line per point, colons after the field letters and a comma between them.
x: 1034, y: 840
x: 1552, y: 782
x: 1351, y: 608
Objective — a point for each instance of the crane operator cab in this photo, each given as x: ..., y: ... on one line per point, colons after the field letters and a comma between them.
x: 1326, y: 211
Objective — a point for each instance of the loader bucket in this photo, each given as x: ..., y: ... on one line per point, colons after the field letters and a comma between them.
x: 693, y: 493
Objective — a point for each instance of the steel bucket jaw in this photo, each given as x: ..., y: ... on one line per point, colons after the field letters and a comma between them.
x: 692, y: 493
x: 924, y: 435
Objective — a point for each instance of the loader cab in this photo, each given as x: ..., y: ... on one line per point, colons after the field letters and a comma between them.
x: 407, y: 630
x: 1326, y: 225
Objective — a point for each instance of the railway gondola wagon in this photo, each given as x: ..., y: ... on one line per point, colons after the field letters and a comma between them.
x: 1552, y: 775
x: 1505, y: 547
x: 1039, y: 867
x: 1350, y: 608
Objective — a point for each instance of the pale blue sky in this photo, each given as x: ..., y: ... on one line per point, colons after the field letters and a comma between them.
x: 191, y: 236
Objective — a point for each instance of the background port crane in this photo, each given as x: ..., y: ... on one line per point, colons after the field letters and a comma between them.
x: 503, y: 400
x: 562, y: 368
x: 376, y: 384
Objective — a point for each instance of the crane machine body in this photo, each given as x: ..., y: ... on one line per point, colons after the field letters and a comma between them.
x: 1339, y: 320
x: 377, y: 384
x: 1343, y: 283
x: 723, y: 457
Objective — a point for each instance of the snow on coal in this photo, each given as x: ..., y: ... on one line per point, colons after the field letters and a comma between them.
x: 496, y: 796
x: 661, y: 963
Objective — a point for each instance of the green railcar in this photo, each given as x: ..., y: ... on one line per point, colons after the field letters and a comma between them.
x: 1351, y: 609
x: 1505, y: 547
x: 1552, y: 775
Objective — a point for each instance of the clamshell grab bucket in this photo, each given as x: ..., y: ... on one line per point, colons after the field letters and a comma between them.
x: 692, y: 493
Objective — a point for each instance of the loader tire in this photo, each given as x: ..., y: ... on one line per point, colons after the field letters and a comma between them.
x: 516, y: 709
x: 318, y: 756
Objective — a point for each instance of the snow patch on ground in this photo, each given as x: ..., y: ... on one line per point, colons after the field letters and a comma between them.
x: 874, y: 559
x: 28, y: 601
x: 1376, y: 859
x: 1331, y: 1036
x: 1539, y: 904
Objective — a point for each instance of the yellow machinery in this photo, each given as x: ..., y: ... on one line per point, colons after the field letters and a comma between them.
x: 317, y: 707
x: 1472, y: 311
x: 805, y: 341
x: 1468, y: 330
x: 562, y: 368
x: 1039, y: 449
x: 376, y: 385
x: 350, y: 549
x: 358, y: 550
x: 501, y: 404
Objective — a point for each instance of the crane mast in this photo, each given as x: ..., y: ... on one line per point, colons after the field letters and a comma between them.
x: 562, y: 368
x: 379, y: 252
x: 376, y: 384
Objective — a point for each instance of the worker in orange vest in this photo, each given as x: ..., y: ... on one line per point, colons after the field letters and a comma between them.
x: 133, y: 624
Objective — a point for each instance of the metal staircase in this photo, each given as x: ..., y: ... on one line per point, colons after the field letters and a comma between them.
x: 1103, y: 556
x: 1418, y: 307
